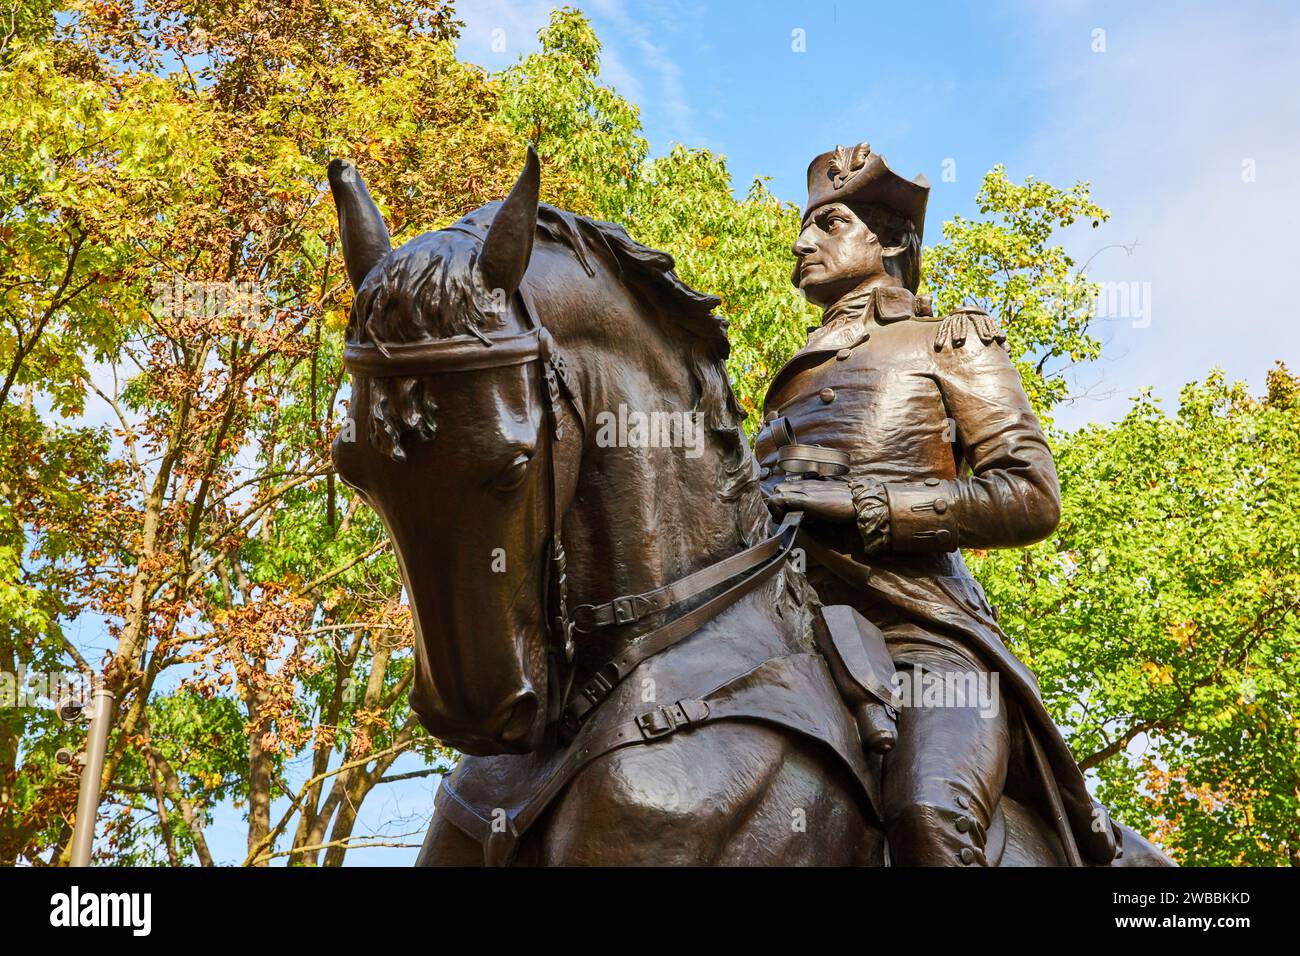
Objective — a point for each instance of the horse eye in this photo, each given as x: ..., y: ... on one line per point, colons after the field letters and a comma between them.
x: 513, y: 475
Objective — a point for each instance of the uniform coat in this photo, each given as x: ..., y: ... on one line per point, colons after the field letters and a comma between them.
x: 934, y: 410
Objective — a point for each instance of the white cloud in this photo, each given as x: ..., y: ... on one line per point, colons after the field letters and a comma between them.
x: 1162, y: 124
x: 669, y: 87
x: 498, y: 32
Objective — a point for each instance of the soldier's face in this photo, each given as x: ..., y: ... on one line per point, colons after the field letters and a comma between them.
x: 835, y: 253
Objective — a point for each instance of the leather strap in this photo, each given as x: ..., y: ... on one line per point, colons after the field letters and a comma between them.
x: 554, y: 357
x: 660, y: 639
x: 462, y: 353
x: 499, y: 835
x: 560, y: 650
x: 631, y: 608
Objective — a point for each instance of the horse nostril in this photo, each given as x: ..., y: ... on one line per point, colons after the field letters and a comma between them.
x: 520, y: 721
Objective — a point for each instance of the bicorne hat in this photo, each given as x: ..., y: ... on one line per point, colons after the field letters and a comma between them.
x: 856, y: 176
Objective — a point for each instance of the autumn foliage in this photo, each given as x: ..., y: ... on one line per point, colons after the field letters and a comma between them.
x: 172, y: 302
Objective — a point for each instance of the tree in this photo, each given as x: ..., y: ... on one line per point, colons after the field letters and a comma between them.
x: 82, y: 179
x: 227, y: 550
x: 588, y: 135
x: 1162, y: 617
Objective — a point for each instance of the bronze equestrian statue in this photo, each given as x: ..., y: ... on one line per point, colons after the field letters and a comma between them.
x: 614, y: 633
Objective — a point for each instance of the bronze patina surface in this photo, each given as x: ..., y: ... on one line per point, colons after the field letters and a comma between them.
x: 613, y: 633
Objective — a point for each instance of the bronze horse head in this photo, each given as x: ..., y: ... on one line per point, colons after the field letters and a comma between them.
x: 472, y: 462
x: 457, y: 459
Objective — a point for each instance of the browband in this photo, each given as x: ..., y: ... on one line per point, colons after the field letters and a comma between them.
x: 463, y: 353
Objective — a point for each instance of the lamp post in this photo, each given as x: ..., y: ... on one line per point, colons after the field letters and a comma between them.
x: 83, y: 830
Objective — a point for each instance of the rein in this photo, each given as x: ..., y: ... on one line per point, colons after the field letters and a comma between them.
x: 753, y: 566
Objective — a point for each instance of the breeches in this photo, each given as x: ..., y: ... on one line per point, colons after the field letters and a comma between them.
x: 945, y: 775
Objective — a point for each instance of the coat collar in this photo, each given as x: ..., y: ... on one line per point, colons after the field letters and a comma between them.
x: 884, y: 303
x: 846, y: 325
x: 845, y: 322
x: 849, y: 322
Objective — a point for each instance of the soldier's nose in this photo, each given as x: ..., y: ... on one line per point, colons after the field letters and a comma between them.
x: 802, y: 247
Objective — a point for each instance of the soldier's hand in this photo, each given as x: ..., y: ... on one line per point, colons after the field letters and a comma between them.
x: 827, y: 499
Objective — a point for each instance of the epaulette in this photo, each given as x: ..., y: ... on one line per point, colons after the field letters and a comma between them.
x: 957, y: 324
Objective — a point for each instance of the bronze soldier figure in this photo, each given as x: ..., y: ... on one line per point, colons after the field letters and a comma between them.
x: 944, y: 452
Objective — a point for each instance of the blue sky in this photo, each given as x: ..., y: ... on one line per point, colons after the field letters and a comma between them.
x: 1161, y: 122
x: 1161, y: 113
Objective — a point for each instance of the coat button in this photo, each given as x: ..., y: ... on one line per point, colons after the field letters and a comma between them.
x: 967, y: 855
x: 943, y: 536
x: 962, y: 801
x: 940, y: 505
x: 827, y: 395
x: 842, y: 354
x: 932, y: 482
x: 963, y: 824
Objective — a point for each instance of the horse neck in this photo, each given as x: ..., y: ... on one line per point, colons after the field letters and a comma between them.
x: 642, y: 516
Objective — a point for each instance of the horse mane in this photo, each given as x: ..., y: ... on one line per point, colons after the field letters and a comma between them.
x: 651, y: 272
x: 429, y: 289
x: 640, y: 266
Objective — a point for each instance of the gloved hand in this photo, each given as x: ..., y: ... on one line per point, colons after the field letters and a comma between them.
x: 826, y: 498
x: 871, y: 511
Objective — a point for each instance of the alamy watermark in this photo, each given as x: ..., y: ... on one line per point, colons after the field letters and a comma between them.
x: 133, y: 911
x: 183, y: 298
x: 44, y: 689
x: 921, y: 687
x: 628, y: 428
x: 1128, y: 300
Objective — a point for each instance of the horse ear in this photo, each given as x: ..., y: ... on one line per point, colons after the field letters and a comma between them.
x: 509, y: 243
x: 361, y: 227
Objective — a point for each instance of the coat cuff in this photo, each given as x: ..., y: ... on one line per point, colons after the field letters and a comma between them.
x: 923, y: 516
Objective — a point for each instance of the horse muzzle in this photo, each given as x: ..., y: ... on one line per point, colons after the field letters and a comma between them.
x: 516, y: 727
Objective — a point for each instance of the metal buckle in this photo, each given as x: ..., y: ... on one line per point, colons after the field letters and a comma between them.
x: 657, y: 723
x: 596, y: 689
x: 624, y: 613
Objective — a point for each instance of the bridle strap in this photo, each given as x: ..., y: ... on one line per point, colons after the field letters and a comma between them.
x: 561, y: 649
x: 554, y: 357
x: 606, y: 678
x: 463, y: 353
x: 630, y: 608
